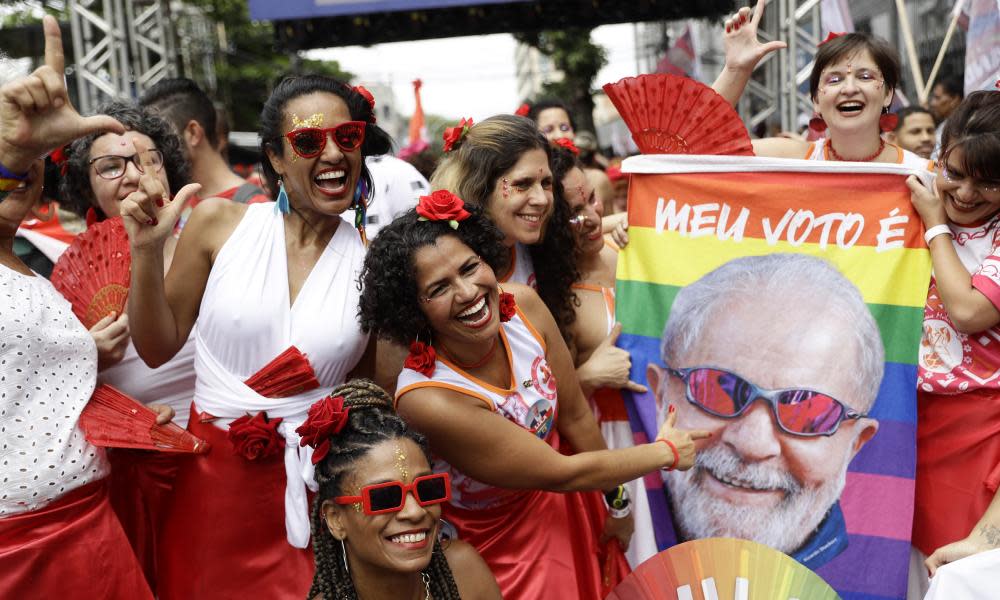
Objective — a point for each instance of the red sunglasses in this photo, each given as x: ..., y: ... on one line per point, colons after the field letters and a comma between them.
x: 309, y: 142
x: 390, y: 496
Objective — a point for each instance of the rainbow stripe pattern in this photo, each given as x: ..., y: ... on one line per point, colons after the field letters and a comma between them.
x: 685, y: 220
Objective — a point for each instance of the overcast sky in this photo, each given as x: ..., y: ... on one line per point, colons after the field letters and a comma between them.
x: 465, y: 76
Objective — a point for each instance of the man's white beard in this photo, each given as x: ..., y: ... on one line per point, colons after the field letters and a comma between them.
x: 785, y: 526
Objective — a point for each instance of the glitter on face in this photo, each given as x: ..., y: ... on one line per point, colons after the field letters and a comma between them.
x: 505, y: 187
x: 316, y: 120
x: 401, y: 463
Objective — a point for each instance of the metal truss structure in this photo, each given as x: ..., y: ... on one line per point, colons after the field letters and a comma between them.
x: 122, y: 48
x: 779, y: 91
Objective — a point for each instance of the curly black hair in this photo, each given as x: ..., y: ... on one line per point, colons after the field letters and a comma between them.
x: 371, y: 421
x: 377, y: 141
x: 490, y: 149
x: 75, y: 191
x: 389, y: 304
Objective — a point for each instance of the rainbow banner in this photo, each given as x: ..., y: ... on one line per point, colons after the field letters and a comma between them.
x: 689, y: 216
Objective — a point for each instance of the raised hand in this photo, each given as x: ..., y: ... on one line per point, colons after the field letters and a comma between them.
x: 609, y: 366
x: 149, y: 214
x: 36, y: 115
x: 743, y: 49
x: 927, y: 202
x: 682, y: 439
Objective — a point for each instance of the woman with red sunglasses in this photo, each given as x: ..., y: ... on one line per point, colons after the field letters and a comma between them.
x: 258, y: 279
x: 957, y: 507
x: 377, y: 517
x: 490, y: 382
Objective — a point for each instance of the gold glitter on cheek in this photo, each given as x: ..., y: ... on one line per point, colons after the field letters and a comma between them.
x: 316, y: 120
x: 401, y: 463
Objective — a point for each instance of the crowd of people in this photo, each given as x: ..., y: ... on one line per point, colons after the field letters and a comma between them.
x: 466, y: 436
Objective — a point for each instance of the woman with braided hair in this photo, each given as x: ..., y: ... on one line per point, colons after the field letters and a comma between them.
x: 376, y: 518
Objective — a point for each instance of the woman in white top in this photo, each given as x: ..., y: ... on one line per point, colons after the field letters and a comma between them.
x: 258, y: 279
x: 58, y: 535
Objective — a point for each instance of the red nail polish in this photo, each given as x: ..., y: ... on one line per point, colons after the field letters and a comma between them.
x: 159, y: 202
x: 728, y: 28
x: 672, y: 409
x: 156, y: 222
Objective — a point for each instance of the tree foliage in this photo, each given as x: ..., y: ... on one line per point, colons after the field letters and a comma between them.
x: 579, y: 59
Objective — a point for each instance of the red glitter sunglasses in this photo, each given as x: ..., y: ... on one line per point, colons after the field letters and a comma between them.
x: 309, y: 142
x: 380, y: 498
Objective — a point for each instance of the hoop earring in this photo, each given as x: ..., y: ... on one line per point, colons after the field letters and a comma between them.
x: 343, y: 553
x: 281, y: 204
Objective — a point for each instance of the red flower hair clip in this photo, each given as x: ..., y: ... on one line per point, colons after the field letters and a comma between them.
x: 507, y: 306
x: 367, y: 96
x: 326, y: 418
x: 58, y: 157
x: 255, y: 438
x: 831, y: 36
x: 453, y: 135
x: 442, y: 205
x: 523, y: 110
x: 422, y: 359
x: 567, y: 144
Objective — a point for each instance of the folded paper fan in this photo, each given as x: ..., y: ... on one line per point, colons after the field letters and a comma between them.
x: 112, y: 419
x: 668, y: 114
x: 722, y: 568
x: 93, y: 273
x: 287, y: 375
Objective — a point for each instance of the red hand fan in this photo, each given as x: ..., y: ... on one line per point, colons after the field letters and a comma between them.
x: 668, y: 114
x: 93, y: 273
x: 112, y: 419
x: 288, y: 374
x: 722, y: 568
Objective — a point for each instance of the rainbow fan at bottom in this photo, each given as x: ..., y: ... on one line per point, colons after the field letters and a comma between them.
x: 722, y: 569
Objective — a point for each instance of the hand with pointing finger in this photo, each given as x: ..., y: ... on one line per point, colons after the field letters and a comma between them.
x: 682, y: 439
x: 149, y: 213
x: 743, y: 49
x: 608, y: 366
x: 36, y: 115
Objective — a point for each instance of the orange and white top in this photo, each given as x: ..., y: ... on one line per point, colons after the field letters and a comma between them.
x: 529, y: 401
x: 819, y: 150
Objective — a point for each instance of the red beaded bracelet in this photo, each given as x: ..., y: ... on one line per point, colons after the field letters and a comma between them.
x: 673, y: 448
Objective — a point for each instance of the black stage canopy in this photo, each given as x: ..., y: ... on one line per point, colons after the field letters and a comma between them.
x: 479, y: 19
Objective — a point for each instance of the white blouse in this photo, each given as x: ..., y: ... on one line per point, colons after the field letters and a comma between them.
x: 48, y: 366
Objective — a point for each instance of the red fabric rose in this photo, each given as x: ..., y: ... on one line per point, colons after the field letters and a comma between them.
x: 567, y: 144
x: 367, y: 96
x: 421, y: 359
x: 326, y: 418
x: 453, y: 134
x: 256, y: 437
x: 523, y: 110
x: 831, y: 36
x: 507, y: 306
x: 442, y: 205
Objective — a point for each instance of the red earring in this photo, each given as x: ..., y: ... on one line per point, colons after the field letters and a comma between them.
x: 888, y: 120
x: 817, y: 123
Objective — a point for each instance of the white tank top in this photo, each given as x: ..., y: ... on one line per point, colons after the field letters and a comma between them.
x: 530, y: 402
x: 819, y: 151
x: 522, y: 270
x: 245, y: 321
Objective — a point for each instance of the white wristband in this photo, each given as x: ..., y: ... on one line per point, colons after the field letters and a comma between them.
x: 935, y: 231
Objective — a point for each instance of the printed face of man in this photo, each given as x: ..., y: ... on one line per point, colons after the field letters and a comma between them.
x: 752, y: 480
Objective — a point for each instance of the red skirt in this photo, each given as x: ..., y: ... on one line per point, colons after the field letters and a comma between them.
x: 73, y: 547
x: 545, y: 545
x: 141, y: 484
x: 958, y: 464
x: 223, y: 535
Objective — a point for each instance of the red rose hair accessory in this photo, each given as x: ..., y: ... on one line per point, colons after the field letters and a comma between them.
x: 326, y: 418
x: 58, y: 157
x: 567, y: 144
x: 367, y: 96
x: 422, y: 358
x: 257, y: 437
x: 831, y: 36
x: 523, y: 110
x: 442, y: 205
x: 507, y: 306
x: 453, y: 135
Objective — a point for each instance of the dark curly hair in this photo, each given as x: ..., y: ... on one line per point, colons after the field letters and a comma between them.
x: 389, y: 305
x: 975, y: 128
x: 371, y: 421
x: 75, y: 191
x: 471, y: 171
x: 377, y: 141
